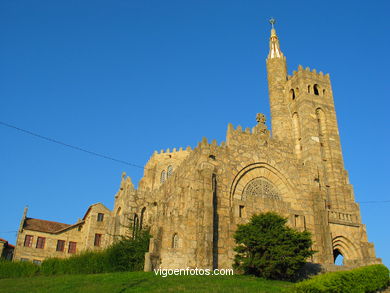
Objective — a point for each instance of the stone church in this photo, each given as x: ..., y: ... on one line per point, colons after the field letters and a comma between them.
x: 193, y: 199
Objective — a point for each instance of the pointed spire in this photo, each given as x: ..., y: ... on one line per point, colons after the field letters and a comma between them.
x: 274, y: 46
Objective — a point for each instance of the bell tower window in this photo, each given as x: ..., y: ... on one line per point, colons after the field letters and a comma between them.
x: 315, y: 89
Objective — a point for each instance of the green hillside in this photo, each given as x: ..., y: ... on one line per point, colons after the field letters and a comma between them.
x: 141, y: 282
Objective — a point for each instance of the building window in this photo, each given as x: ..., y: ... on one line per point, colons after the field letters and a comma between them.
x: 98, y: 240
x: 72, y: 247
x: 261, y: 187
x: 41, y: 242
x: 100, y: 217
x: 292, y: 94
x: 60, y: 245
x: 175, y: 241
x: 169, y: 171
x: 37, y: 262
x: 28, y: 240
x: 241, y: 211
x: 24, y: 259
x: 316, y: 89
x: 162, y: 178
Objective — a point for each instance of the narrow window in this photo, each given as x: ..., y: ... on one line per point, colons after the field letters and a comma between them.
x: 292, y: 94
x: 241, y: 211
x: 142, y: 218
x: 323, y: 92
x: 24, y: 259
x: 296, y: 220
x: 41, y: 242
x: 315, y: 89
x: 98, y: 240
x: 322, y: 133
x: 297, y: 134
x: 28, y: 240
x: 135, y: 225
x: 162, y: 178
x: 100, y: 217
x: 60, y: 245
x: 72, y: 247
x: 308, y: 89
x: 175, y: 241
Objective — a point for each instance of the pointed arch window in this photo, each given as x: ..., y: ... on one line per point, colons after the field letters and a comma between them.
x: 169, y: 170
x: 175, y: 241
x: 163, y: 176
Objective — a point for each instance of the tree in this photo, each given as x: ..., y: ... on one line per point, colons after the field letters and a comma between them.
x: 268, y: 248
x: 128, y: 254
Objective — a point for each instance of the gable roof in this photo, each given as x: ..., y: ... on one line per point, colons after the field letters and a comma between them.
x: 94, y: 205
x: 43, y: 225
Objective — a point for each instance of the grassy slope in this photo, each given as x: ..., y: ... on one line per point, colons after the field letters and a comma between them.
x: 141, y: 282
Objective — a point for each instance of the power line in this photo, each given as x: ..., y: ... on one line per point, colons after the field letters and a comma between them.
x: 114, y: 159
x: 69, y: 145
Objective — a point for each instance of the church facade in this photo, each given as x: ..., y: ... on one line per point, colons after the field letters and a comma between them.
x: 193, y: 199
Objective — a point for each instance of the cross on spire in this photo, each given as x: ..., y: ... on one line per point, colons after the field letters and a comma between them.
x: 272, y: 21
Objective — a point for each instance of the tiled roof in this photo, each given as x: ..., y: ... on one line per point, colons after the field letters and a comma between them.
x: 7, y: 244
x: 43, y: 225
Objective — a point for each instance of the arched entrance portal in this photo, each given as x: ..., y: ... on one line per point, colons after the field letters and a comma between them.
x: 338, y: 257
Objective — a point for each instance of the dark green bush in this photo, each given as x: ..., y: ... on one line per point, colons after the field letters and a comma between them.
x: 268, y: 248
x: 129, y: 254
x: 17, y: 269
x: 361, y: 280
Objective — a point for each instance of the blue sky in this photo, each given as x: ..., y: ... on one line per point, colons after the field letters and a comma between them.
x: 125, y: 78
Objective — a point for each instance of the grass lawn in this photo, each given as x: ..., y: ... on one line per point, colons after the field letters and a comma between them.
x: 141, y: 282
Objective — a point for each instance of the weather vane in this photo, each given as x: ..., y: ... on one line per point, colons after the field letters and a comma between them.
x: 272, y: 21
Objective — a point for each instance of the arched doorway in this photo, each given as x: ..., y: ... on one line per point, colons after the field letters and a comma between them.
x: 338, y: 258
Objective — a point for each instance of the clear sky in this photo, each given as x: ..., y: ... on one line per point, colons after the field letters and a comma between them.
x: 125, y: 78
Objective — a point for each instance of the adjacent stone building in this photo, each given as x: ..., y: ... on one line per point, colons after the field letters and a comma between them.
x: 6, y: 249
x: 39, y: 239
x: 193, y: 199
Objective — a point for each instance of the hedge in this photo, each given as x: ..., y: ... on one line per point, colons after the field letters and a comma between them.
x: 123, y: 255
x: 361, y: 280
x: 90, y: 262
x: 17, y: 269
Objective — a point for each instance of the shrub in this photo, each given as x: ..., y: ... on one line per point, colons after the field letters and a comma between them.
x: 266, y: 247
x: 125, y: 255
x: 361, y: 280
x: 17, y: 269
